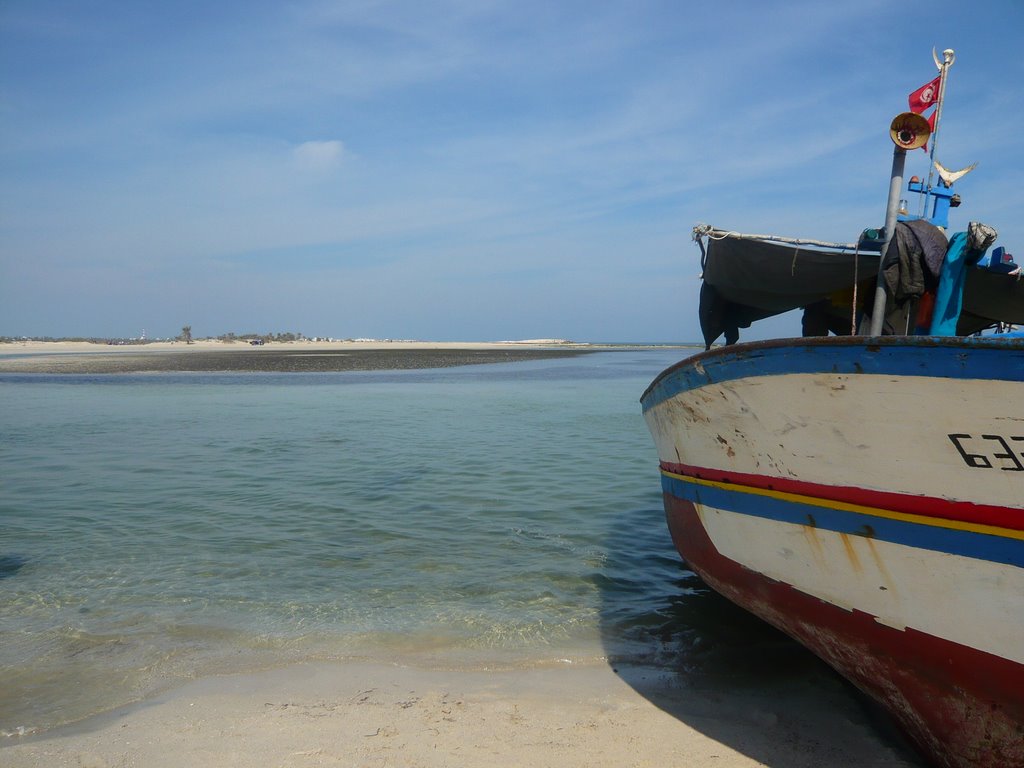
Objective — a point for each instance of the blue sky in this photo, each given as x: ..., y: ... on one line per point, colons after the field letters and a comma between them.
x: 463, y: 169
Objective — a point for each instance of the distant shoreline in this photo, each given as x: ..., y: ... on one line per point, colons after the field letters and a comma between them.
x: 42, y: 345
x: 56, y: 358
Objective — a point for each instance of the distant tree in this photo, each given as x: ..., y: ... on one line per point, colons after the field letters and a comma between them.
x: 186, y: 334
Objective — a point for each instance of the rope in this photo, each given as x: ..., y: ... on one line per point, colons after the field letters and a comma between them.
x: 705, y: 230
x: 856, y: 279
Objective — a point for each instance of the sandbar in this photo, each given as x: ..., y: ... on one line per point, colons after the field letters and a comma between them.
x: 275, y: 357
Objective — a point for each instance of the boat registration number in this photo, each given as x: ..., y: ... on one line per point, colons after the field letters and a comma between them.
x: 990, y: 451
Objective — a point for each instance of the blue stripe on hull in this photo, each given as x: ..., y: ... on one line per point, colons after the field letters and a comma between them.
x: 953, y: 358
x: 981, y: 546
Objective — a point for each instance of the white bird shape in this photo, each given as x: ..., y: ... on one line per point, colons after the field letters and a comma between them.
x: 949, y: 177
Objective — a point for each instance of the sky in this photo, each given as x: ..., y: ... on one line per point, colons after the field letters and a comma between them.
x: 458, y: 170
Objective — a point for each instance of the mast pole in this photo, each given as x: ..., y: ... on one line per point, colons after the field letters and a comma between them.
x: 899, y: 160
x: 948, y: 57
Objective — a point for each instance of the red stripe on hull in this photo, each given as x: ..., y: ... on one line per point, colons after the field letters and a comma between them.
x: 963, y: 511
x: 964, y: 708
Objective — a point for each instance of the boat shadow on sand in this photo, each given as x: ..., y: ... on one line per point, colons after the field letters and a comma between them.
x: 724, y: 672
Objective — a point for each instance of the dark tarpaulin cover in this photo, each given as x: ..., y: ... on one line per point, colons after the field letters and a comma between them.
x: 748, y: 280
x: 990, y: 297
x: 754, y: 279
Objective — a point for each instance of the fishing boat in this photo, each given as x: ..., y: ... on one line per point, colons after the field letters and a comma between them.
x: 864, y: 491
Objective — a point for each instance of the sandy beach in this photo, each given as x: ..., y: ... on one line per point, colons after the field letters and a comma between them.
x: 373, y: 714
x: 72, y: 357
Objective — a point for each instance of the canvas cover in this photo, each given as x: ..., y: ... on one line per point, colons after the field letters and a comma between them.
x: 779, y: 277
x: 990, y: 297
x: 748, y: 280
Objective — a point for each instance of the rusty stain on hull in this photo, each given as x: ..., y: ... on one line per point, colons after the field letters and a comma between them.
x: 879, y: 564
x: 728, y: 448
x: 810, y: 533
x: 851, y: 553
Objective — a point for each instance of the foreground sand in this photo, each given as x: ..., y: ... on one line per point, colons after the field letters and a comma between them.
x: 286, y: 357
x: 363, y: 714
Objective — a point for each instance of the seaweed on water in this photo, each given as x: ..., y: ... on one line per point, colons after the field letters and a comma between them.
x: 11, y: 564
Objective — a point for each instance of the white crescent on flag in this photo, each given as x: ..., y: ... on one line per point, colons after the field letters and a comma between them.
x: 924, y: 97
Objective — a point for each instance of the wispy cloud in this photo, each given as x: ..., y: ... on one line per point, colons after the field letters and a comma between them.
x: 552, y: 156
x: 319, y: 155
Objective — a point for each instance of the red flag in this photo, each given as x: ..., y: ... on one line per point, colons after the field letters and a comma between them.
x: 924, y: 96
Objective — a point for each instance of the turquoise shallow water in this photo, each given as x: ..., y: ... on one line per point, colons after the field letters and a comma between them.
x: 159, y: 527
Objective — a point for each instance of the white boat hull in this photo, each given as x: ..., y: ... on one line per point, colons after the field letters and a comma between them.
x: 869, y: 501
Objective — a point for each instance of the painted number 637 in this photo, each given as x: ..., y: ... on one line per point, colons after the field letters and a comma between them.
x: 996, y: 451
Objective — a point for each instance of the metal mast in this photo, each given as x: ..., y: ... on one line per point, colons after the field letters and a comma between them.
x: 948, y: 57
x: 899, y: 159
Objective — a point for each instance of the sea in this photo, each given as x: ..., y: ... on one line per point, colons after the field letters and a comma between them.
x: 157, y: 528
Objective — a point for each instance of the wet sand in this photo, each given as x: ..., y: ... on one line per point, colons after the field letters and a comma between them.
x: 272, y: 358
x: 372, y: 714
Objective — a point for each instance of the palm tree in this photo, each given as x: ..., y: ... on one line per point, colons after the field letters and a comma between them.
x: 186, y: 334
